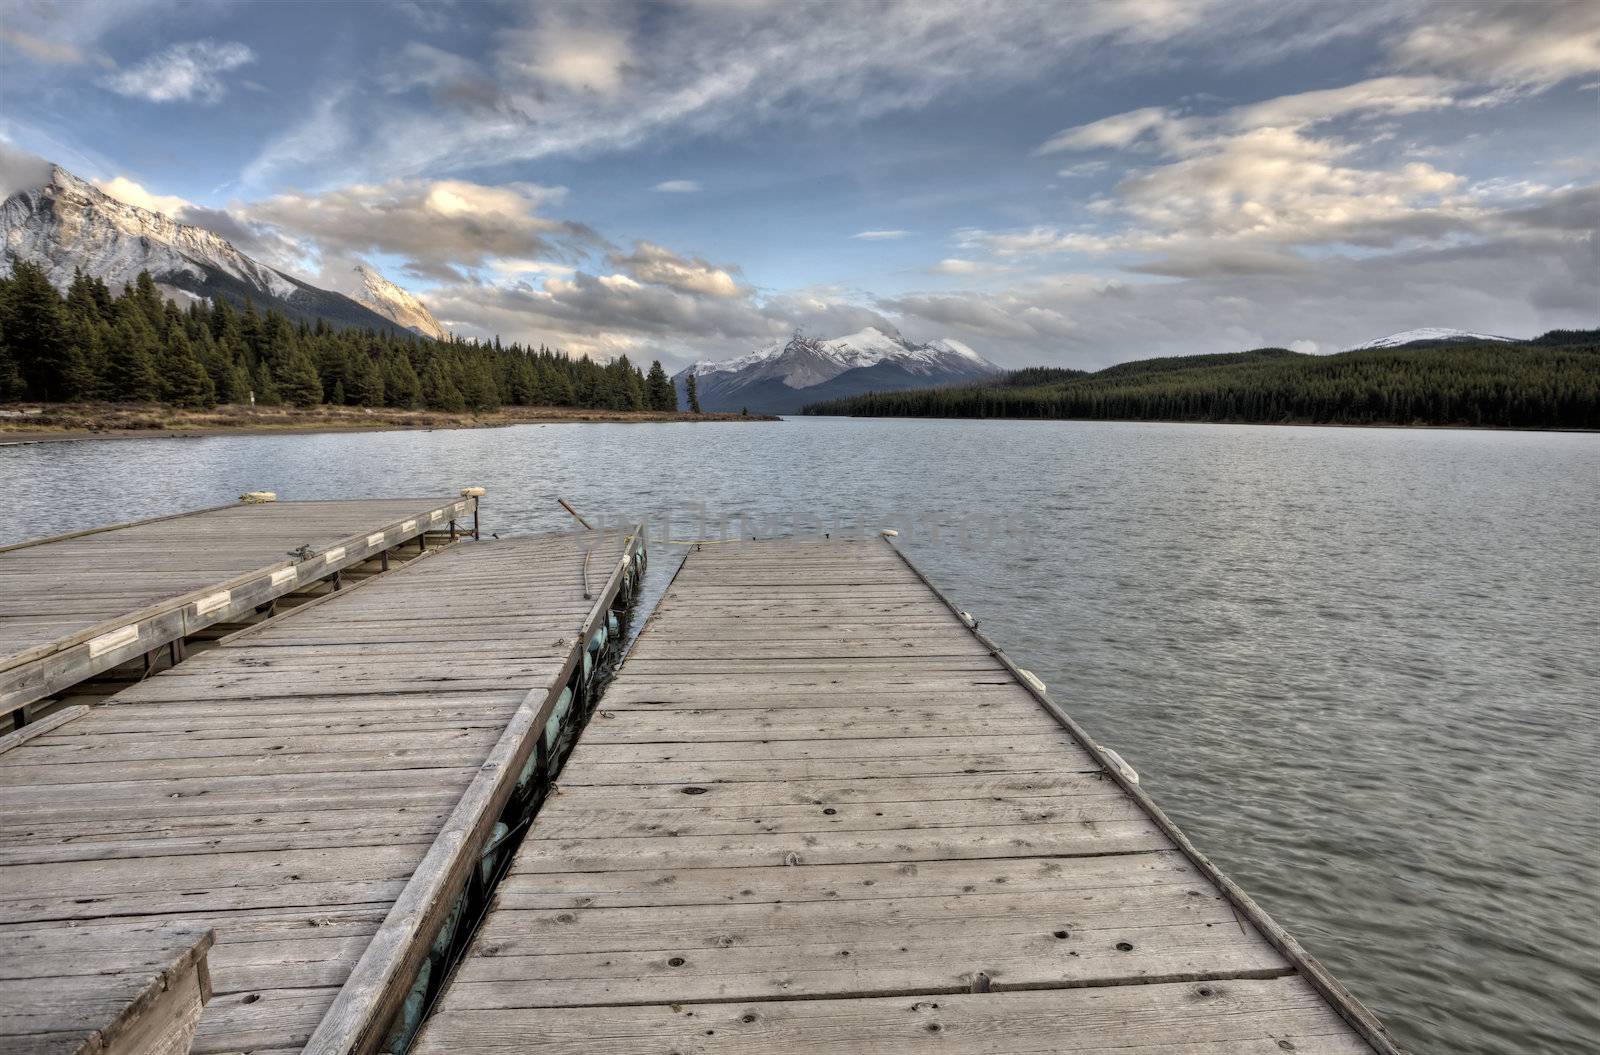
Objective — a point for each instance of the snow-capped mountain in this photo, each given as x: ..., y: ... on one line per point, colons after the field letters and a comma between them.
x: 400, y: 305
x: 786, y: 375
x: 1428, y: 333
x: 68, y: 224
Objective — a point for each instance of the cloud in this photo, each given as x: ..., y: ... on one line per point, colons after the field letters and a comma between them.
x: 1527, y: 45
x: 41, y: 49
x: 569, y: 49
x: 189, y: 71
x: 1519, y: 282
x: 677, y: 186
x: 659, y: 265
x: 1239, y: 187
x: 1082, y: 169
x: 437, y: 226
x: 579, y: 79
x: 880, y: 236
x: 20, y: 170
x: 1034, y: 241
x: 953, y: 265
x: 126, y: 190
x: 1119, y: 131
x: 1168, y: 130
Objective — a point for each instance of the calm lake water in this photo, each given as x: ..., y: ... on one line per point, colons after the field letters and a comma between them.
x: 1360, y: 667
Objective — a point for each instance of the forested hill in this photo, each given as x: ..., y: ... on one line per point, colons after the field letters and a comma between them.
x: 135, y: 346
x: 1552, y: 381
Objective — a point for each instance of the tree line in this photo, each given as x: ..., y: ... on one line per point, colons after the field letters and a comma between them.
x: 137, y: 346
x: 1552, y: 381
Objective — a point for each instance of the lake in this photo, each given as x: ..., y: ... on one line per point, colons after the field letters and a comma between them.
x: 1361, y: 668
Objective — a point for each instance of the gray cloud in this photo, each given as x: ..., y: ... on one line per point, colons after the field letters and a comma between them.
x: 438, y: 226
x: 20, y: 170
x: 1511, y: 42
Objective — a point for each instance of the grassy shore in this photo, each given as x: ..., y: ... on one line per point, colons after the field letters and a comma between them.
x: 24, y: 423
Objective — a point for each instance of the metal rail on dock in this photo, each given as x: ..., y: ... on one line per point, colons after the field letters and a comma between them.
x: 83, y: 603
x: 292, y: 786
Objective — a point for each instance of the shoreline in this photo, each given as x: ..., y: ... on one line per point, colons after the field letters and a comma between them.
x: 51, y: 423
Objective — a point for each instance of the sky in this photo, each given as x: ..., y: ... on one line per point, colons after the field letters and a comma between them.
x: 1068, y: 182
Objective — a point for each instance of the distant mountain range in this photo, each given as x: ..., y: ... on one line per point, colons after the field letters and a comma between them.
x: 786, y: 375
x: 1421, y: 377
x: 67, y: 224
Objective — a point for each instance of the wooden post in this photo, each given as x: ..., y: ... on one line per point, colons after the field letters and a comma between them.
x: 383, y: 562
x: 452, y: 530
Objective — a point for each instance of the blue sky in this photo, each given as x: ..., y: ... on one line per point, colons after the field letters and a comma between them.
x: 1064, y: 182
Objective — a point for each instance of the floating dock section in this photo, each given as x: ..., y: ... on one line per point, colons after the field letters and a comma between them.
x: 80, y: 604
x: 818, y: 811
x: 327, y: 791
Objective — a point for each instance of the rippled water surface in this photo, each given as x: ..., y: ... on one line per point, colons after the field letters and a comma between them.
x: 1360, y: 667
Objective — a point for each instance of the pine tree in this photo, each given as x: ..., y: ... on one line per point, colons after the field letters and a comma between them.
x: 190, y: 385
x: 10, y: 376
x: 401, y: 385
x: 439, y: 392
x: 298, y: 382
x: 266, y: 386
x: 694, y: 394
x: 130, y: 361
x: 366, y: 386
x: 659, y: 393
x: 35, y: 325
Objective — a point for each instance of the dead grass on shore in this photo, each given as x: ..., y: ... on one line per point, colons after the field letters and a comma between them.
x: 132, y: 420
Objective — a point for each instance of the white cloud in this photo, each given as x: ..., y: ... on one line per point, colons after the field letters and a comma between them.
x: 1033, y: 241
x: 189, y: 71
x: 563, y: 50
x: 677, y: 186
x: 1082, y: 169
x: 954, y: 265
x: 510, y: 267
x: 661, y: 266
x: 1117, y: 132
x: 1238, y: 188
x: 880, y: 236
x: 126, y: 190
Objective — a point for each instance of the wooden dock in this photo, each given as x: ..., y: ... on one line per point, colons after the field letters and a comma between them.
x: 818, y: 811
x: 318, y: 790
x: 67, y: 994
x: 76, y: 605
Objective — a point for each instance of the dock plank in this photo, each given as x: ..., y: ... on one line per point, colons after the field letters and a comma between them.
x: 77, y: 605
x: 284, y: 788
x: 816, y: 812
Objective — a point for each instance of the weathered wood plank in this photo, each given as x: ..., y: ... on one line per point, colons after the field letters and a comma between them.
x: 137, y: 587
x: 812, y: 780
x: 1234, y: 1017
x: 286, y: 787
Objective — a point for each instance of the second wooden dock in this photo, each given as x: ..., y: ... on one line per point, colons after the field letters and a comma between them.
x: 319, y: 791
